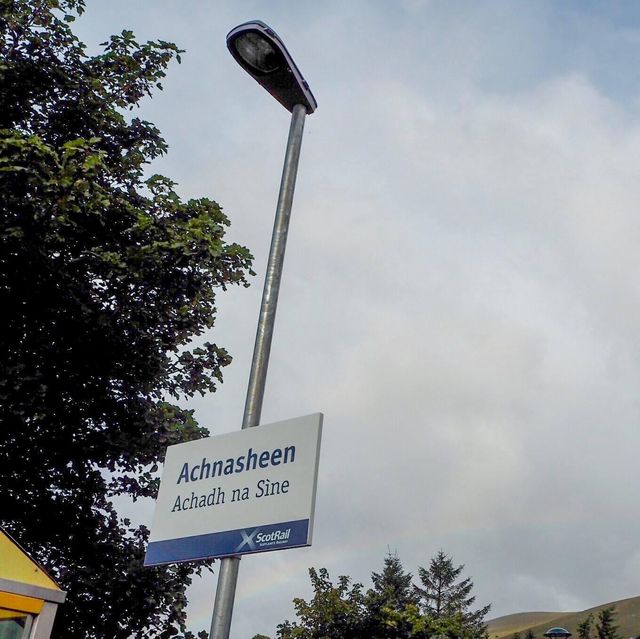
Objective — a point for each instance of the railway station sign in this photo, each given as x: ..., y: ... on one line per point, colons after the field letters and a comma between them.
x: 247, y: 491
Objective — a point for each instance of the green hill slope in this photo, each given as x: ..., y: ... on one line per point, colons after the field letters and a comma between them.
x: 627, y: 618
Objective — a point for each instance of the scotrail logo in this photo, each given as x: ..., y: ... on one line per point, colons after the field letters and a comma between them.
x: 247, y: 540
x: 254, y: 540
x: 279, y: 536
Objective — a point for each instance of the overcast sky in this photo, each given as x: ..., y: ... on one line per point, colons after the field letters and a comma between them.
x: 461, y: 295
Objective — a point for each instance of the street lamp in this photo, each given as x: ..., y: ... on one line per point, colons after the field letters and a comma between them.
x: 260, y: 52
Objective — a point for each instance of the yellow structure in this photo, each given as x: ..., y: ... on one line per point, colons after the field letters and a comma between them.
x: 29, y: 598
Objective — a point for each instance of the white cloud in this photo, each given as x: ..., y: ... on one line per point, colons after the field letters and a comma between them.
x: 460, y: 297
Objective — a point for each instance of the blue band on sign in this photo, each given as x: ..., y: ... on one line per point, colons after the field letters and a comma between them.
x: 288, y: 534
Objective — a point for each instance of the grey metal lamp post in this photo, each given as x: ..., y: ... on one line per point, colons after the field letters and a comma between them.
x: 259, y: 50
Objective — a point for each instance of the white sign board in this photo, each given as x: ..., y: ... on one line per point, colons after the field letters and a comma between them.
x: 248, y: 491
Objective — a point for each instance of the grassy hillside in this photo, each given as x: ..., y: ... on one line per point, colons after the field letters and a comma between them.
x: 627, y: 618
x: 522, y: 621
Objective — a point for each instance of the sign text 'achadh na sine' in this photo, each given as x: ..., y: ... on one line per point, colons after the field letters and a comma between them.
x: 264, y: 488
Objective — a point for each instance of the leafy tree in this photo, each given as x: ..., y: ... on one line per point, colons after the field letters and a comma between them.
x: 105, y: 279
x: 606, y: 627
x: 529, y: 634
x: 392, y: 609
x: 585, y: 628
x: 335, y: 611
x: 446, y: 598
x: 516, y: 635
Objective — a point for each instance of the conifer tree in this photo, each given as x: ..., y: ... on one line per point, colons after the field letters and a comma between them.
x: 393, y: 608
x: 585, y: 627
x: 393, y: 585
x: 606, y: 627
x: 392, y: 602
x: 446, y: 597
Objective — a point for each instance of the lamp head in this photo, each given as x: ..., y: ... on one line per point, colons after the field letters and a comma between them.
x: 261, y: 53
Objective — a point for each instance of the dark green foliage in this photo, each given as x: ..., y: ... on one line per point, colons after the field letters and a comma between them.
x: 391, y: 603
x: 391, y: 609
x: 335, y: 610
x: 585, y: 627
x: 516, y: 635
x: 105, y: 278
x: 393, y: 586
x: 445, y: 596
x: 529, y: 634
x: 605, y: 626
